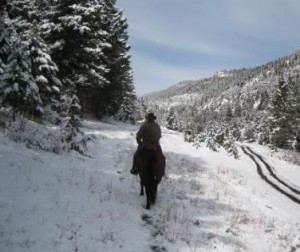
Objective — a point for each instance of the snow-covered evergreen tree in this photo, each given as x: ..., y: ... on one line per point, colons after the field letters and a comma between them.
x: 88, y: 42
x: 212, y: 141
x: 5, y: 49
x: 89, y: 56
x: 22, y: 13
x: 294, y: 101
x: 281, y: 133
x: 76, y: 39
x: 63, y: 30
x: 228, y: 113
x: 128, y: 111
x: 172, y: 120
x: 25, y: 16
x: 18, y: 87
x: 117, y: 59
x: 229, y: 145
x: 74, y: 136
x: 44, y: 71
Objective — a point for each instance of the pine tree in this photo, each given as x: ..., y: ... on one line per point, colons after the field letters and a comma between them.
x: 74, y: 136
x: 22, y: 13
x: 25, y: 16
x: 44, y: 71
x: 213, y: 139
x: 294, y: 98
x: 64, y: 30
x: 140, y: 110
x: 117, y: 59
x: 5, y: 49
x: 172, y: 120
x: 18, y: 87
x: 128, y: 109
x: 77, y: 40
x: 281, y: 132
x: 229, y: 145
x: 228, y: 113
x: 88, y: 42
x: 91, y: 68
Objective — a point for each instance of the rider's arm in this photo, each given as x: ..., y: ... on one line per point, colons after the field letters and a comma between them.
x: 159, y: 132
x: 139, y: 135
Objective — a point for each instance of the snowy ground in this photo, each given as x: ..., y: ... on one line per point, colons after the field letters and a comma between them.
x: 207, y: 202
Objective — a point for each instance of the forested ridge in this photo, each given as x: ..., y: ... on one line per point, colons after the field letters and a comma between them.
x: 61, y: 60
x: 251, y: 104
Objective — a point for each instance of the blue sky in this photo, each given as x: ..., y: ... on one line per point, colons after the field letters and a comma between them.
x: 177, y: 40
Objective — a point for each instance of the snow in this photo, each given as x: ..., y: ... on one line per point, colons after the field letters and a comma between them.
x: 182, y: 99
x: 256, y: 104
x: 208, y: 201
x: 57, y: 82
x: 56, y: 89
x: 222, y: 74
x: 224, y: 101
x: 84, y: 29
x: 41, y: 79
x: 9, y: 89
x: 42, y: 60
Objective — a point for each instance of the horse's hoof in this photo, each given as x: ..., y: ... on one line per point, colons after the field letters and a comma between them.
x: 148, y: 206
x: 134, y: 172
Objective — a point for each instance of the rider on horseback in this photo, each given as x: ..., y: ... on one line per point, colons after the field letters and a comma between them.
x: 149, y: 133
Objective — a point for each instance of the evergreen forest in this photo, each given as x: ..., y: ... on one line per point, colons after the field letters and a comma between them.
x: 63, y: 59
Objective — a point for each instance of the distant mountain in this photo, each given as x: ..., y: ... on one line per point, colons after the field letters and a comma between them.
x: 238, y: 102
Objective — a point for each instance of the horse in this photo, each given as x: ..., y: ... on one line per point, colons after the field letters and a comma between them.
x: 147, y: 161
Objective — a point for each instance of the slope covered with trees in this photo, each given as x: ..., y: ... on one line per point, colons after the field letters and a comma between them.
x: 258, y: 104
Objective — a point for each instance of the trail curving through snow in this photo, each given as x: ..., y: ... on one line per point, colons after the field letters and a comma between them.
x: 273, y: 180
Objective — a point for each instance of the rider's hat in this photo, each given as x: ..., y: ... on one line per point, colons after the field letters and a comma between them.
x: 150, y: 116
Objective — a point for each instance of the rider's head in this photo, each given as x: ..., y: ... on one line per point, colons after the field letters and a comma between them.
x: 150, y: 117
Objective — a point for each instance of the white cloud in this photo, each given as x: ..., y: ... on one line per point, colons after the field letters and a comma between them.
x: 272, y: 20
x: 152, y: 24
x: 206, y: 27
x: 184, y: 42
x: 237, y: 32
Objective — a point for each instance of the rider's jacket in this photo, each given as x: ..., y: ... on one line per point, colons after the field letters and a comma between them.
x: 149, y: 132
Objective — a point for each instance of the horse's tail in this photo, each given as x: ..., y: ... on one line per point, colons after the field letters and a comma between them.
x: 154, y: 192
x: 152, y: 182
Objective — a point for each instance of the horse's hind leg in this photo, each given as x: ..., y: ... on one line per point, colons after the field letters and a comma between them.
x: 148, y: 204
x: 154, y: 192
x: 148, y: 196
x: 142, y: 189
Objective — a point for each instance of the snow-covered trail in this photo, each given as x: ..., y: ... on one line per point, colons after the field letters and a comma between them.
x: 268, y: 175
x: 207, y: 201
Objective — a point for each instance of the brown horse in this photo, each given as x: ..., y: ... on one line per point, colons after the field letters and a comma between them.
x: 147, y: 160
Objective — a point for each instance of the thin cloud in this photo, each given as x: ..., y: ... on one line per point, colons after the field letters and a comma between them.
x: 188, y: 43
x: 272, y: 20
x: 184, y: 33
x: 230, y: 34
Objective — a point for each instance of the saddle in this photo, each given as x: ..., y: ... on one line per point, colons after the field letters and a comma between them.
x: 151, y: 147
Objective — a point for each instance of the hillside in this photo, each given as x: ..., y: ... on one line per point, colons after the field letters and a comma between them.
x: 228, y: 79
x: 239, y: 100
x: 207, y: 201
